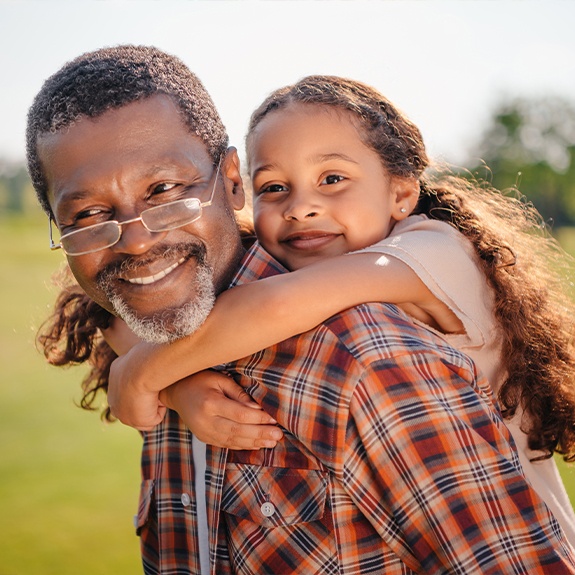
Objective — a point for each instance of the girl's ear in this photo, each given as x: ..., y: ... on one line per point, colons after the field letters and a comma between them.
x: 406, y: 194
x: 234, y: 186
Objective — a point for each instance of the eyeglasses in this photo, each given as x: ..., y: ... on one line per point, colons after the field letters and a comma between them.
x: 162, y: 218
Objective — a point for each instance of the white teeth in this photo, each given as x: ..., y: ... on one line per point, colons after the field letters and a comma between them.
x: 158, y: 276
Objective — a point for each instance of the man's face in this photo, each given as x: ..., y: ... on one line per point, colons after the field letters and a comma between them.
x: 114, y: 167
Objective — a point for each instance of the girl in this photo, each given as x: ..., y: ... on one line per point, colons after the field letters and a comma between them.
x: 335, y: 169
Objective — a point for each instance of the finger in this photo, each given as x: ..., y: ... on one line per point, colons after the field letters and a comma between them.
x: 232, y: 410
x: 142, y: 423
x: 233, y: 436
x: 236, y: 392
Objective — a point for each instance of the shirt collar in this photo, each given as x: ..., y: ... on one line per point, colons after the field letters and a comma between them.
x: 257, y: 264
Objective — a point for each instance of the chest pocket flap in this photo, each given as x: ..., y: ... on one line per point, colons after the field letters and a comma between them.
x: 274, y: 496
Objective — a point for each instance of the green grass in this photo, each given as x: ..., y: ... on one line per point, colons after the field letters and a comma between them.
x: 68, y: 482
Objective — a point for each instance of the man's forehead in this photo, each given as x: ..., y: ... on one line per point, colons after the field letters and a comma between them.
x: 152, y: 125
x: 153, y: 111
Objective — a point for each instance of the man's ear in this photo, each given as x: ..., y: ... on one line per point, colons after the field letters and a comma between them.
x: 234, y: 186
x: 405, y: 196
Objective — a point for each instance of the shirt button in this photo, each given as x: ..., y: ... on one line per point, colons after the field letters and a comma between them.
x: 185, y: 498
x: 268, y: 509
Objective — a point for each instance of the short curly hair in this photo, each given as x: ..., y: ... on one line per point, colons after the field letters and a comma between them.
x: 110, y: 78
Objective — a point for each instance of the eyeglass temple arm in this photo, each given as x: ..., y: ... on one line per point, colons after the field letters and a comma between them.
x: 209, y: 202
x: 53, y: 246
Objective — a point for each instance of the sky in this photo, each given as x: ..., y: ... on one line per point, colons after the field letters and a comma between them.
x: 446, y: 64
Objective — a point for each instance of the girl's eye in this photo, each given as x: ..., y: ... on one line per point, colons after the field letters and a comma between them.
x: 332, y: 179
x: 272, y: 188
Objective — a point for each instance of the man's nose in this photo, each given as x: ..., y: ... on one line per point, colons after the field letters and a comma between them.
x: 302, y: 204
x: 135, y: 238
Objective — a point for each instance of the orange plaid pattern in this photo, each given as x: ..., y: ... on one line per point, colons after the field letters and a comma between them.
x: 394, y: 461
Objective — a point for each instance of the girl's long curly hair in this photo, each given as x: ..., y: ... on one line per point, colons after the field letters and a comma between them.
x: 72, y: 336
x: 532, y: 281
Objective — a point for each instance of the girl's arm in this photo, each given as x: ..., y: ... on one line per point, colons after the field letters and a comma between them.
x: 253, y: 316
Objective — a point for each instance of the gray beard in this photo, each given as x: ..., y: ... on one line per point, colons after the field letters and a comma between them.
x: 170, y: 324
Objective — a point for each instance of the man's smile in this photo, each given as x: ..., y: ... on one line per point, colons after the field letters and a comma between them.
x: 160, y: 269
x: 157, y: 276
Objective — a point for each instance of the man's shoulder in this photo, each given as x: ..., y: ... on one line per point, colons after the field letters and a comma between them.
x: 376, y: 331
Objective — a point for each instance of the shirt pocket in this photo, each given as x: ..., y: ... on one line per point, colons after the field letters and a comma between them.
x: 274, y: 496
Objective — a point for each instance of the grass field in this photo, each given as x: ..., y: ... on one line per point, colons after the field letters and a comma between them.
x: 68, y: 482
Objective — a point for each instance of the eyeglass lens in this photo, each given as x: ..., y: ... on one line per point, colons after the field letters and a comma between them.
x: 91, y: 238
x: 171, y: 216
x: 157, y: 219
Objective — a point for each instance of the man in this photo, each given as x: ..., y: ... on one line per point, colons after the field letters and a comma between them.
x: 393, y: 458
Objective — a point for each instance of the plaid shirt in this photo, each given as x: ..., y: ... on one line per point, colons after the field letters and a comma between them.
x: 394, y: 461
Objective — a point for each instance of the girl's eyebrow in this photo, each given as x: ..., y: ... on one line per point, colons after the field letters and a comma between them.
x: 334, y: 156
x: 264, y: 168
x: 317, y: 159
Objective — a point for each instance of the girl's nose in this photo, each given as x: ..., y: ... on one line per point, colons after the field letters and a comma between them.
x: 302, y: 205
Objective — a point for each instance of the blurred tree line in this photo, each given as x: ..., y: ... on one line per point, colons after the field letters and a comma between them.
x: 16, y: 191
x: 528, y: 145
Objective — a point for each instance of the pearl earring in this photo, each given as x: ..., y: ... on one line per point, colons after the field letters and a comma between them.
x: 403, y: 210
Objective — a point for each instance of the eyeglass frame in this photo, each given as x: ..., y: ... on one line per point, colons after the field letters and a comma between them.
x: 54, y: 246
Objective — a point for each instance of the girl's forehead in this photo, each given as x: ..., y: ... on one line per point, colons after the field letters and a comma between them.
x: 301, y: 117
x: 296, y: 142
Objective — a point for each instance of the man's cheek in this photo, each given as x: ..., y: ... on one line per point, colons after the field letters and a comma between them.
x: 88, y: 283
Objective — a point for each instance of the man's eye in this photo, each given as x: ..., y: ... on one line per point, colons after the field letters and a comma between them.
x: 163, y: 187
x: 87, y: 214
x: 85, y: 218
x: 332, y: 179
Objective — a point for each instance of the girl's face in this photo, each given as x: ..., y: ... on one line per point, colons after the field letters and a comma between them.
x: 319, y: 191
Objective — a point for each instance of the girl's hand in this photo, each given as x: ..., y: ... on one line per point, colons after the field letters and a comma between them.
x: 129, y: 402
x: 132, y: 404
x: 219, y: 412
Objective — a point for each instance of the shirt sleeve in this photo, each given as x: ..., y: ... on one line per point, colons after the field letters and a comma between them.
x: 428, y: 461
x: 446, y: 263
